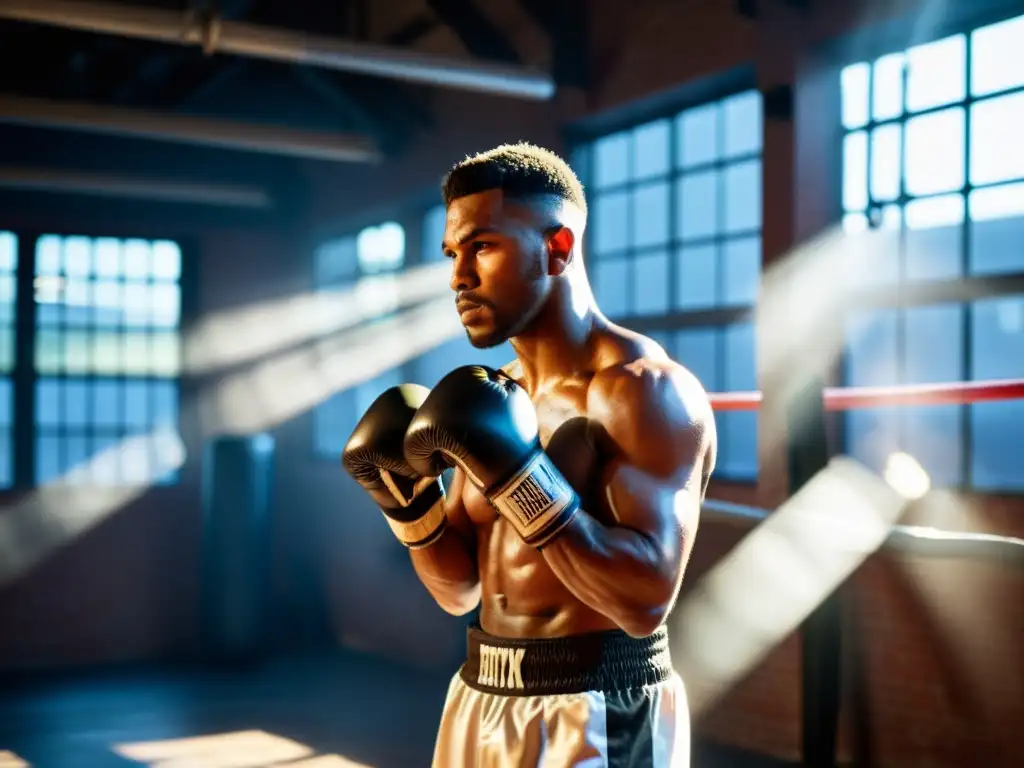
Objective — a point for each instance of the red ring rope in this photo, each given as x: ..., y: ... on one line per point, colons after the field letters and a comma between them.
x: 846, y: 398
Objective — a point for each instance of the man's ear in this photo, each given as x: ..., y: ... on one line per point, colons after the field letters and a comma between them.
x: 561, y: 243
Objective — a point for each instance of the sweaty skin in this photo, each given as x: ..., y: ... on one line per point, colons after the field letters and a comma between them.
x: 631, y: 430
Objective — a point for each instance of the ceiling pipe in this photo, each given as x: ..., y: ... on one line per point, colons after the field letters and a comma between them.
x: 126, y: 187
x: 186, y: 129
x: 215, y: 35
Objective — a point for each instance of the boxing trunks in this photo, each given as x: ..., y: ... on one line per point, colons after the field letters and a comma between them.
x: 598, y: 700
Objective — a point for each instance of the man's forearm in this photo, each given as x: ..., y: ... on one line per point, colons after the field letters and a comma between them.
x: 448, y: 570
x: 616, y: 571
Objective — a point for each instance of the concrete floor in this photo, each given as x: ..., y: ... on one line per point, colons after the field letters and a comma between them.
x: 360, y: 710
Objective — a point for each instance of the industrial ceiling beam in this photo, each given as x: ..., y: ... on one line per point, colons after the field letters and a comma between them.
x: 234, y: 37
x: 132, y: 188
x: 93, y: 118
x: 161, y: 65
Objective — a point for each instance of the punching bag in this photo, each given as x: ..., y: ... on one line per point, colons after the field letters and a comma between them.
x: 237, y: 482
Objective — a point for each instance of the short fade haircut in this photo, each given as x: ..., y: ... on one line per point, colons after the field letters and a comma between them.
x: 521, y: 171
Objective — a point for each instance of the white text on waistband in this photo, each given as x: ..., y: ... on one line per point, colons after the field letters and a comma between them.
x: 501, y: 667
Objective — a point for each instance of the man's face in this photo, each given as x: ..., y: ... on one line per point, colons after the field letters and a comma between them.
x: 499, y: 265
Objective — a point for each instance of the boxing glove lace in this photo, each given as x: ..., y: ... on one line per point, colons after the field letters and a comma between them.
x: 482, y: 421
x: 373, y: 456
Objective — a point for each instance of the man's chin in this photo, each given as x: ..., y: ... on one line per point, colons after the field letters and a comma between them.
x: 484, y: 340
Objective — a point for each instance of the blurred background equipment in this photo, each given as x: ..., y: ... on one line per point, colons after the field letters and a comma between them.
x: 220, y: 239
x: 237, y: 491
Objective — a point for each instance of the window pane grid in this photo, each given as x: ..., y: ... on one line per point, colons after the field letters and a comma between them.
x: 713, y: 195
x: 107, y: 358
x: 704, y: 167
x: 974, y: 189
x: 972, y: 445
x: 948, y: 181
x: 872, y: 124
x: 681, y: 242
x: 674, y: 172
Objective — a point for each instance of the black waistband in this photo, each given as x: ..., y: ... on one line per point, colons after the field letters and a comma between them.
x: 598, y: 661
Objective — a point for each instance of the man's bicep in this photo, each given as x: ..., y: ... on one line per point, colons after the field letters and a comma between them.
x: 664, y: 510
x: 655, y: 419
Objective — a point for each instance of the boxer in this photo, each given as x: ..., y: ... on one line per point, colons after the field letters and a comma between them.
x: 573, y: 506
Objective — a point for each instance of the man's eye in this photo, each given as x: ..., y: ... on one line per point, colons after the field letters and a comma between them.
x: 481, y: 244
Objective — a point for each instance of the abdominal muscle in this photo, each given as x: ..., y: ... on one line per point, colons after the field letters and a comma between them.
x: 520, y: 595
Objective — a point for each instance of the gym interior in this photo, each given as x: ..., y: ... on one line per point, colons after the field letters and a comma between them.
x: 220, y: 228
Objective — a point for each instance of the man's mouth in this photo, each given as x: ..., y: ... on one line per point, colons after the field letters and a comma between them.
x: 462, y: 307
x: 470, y: 313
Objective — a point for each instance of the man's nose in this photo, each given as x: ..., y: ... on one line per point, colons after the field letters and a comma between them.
x: 464, y: 276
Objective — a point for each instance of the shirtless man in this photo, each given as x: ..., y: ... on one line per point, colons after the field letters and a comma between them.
x: 579, y: 473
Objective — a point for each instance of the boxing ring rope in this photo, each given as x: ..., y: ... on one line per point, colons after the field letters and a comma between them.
x: 822, y: 630
x: 918, y: 540
x: 849, y: 398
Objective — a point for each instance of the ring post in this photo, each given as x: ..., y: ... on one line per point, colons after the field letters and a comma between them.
x: 808, y: 454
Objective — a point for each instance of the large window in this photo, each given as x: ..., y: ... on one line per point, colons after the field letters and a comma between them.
x: 107, y: 354
x: 371, y: 261
x: 8, y: 315
x: 932, y: 152
x: 674, y: 245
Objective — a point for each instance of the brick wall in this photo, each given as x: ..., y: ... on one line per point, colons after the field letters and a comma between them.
x: 937, y: 641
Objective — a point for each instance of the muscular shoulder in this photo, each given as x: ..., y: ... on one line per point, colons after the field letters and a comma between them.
x: 654, y: 410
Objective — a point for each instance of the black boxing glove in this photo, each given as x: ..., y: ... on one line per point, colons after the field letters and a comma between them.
x: 484, y: 422
x: 373, y: 456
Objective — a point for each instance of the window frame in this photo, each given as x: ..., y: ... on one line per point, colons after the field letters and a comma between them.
x: 24, y: 376
x: 868, y: 46
x: 580, y: 137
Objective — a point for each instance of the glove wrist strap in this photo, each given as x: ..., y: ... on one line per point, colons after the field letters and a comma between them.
x: 537, y: 500
x: 418, y: 531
